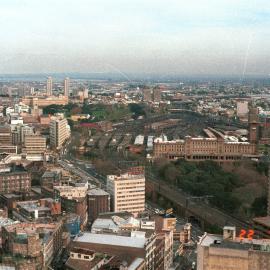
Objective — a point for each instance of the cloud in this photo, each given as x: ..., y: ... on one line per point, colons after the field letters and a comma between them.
x: 135, y: 35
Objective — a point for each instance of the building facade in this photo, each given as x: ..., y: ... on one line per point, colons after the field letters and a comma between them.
x: 5, y: 135
x: 37, y: 241
x: 253, y: 121
x: 73, y: 200
x: 59, y: 132
x: 42, y: 101
x: 66, y: 87
x: 14, y: 179
x: 34, y: 144
x: 128, y: 192
x: 98, y: 202
x: 242, y: 108
x: 197, y: 149
x: 49, y: 87
x: 217, y: 252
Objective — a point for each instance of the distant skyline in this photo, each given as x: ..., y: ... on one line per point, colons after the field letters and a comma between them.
x: 173, y: 37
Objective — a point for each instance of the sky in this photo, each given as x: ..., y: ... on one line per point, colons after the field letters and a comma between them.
x: 174, y: 37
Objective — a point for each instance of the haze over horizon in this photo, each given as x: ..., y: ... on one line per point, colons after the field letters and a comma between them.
x: 173, y: 37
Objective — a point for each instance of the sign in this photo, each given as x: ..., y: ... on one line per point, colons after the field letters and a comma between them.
x: 246, y: 234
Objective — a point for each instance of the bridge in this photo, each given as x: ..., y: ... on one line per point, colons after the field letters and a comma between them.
x: 184, y: 206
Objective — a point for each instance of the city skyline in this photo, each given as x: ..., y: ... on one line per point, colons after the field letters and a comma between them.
x: 151, y: 37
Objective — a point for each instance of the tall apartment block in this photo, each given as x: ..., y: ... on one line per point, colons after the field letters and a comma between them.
x: 66, y: 87
x: 152, y: 95
x: 128, y: 192
x: 59, y: 132
x: 253, y: 122
x: 49, y: 86
x: 242, y: 108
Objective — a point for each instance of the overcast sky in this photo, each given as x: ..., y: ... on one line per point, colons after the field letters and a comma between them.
x: 152, y: 36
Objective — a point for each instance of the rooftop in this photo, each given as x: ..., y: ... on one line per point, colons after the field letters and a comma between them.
x: 82, y: 264
x: 211, y: 240
x: 97, y: 191
x: 31, y: 206
x: 112, y: 240
x: 50, y: 174
x: 136, y: 263
x: 12, y: 169
x: 7, y: 221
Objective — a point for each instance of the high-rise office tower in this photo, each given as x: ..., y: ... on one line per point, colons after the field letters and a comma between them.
x: 59, y: 132
x: 66, y: 87
x: 128, y: 192
x: 49, y: 86
x: 253, y: 121
x: 242, y: 108
x: 147, y: 95
x: 156, y: 94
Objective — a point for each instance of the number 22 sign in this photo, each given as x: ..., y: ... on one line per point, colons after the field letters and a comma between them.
x: 246, y: 234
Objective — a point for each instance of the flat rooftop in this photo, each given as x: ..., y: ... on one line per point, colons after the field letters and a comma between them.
x: 97, y: 192
x: 32, y: 206
x: 13, y: 169
x: 111, y: 240
x: 7, y: 221
x: 211, y: 240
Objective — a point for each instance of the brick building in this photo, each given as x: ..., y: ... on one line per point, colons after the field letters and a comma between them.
x: 98, y: 202
x: 43, y: 210
x: 36, y: 241
x: 14, y: 179
x: 219, y: 148
x: 115, y: 245
x: 73, y: 200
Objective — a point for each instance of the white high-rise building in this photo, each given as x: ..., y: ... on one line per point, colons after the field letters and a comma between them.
x: 66, y: 87
x: 128, y: 192
x: 49, y: 86
x: 59, y: 132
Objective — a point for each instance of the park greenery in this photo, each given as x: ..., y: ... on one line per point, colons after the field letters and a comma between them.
x: 259, y: 206
x: 99, y: 112
x: 208, y: 180
x: 203, y: 179
x: 66, y: 109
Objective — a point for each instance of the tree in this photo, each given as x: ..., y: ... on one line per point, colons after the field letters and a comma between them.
x: 259, y: 206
